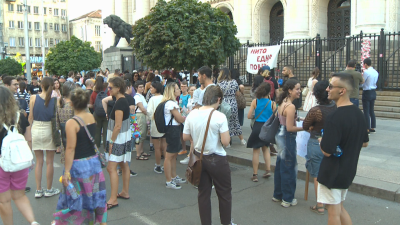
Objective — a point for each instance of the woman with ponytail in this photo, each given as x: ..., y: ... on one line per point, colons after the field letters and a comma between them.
x: 42, y: 111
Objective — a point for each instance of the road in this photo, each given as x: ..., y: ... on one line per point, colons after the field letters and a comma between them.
x: 152, y: 204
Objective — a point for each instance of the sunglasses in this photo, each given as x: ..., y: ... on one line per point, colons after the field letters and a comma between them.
x: 110, y: 88
x: 331, y: 87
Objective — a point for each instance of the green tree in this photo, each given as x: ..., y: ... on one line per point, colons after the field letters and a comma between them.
x: 10, y: 66
x: 184, y: 34
x: 73, y: 55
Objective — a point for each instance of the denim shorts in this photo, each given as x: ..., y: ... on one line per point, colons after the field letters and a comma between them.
x: 314, y: 157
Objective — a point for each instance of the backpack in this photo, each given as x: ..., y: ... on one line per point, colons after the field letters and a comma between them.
x: 159, y: 118
x: 23, y: 104
x: 16, y: 154
x: 98, y: 107
x: 271, y: 84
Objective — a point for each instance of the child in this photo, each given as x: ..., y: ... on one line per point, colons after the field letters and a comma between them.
x: 183, y: 101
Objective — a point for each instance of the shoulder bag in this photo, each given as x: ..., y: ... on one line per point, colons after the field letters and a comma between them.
x: 102, y: 157
x: 193, y: 171
x: 270, y: 128
x: 241, y: 100
x: 255, y: 118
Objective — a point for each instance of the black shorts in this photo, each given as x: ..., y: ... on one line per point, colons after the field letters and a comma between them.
x: 173, y: 137
x: 158, y: 137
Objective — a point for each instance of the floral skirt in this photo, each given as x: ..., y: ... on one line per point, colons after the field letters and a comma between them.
x: 91, y: 205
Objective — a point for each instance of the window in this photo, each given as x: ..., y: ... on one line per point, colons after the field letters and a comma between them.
x: 29, y: 9
x: 30, y: 42
x: 37, y: 42
x: 55, y: 12
x: 21, y: 42
x: 37, y: 26
x: 51, y: 42
x: 64, y: 27
x: 29, y: 25
x: 46, y: 42
x: 134, y: 5
x: 11, y: 7
x: 50, y: 11
x: 11, y: 42
x: 97, y: 30
x: 11, y: 24
x: 44, y: 10
x: 63, y: 13
x: 57, y: 41
x: 45, y: 26
x: 97, y: 46
x: 20, y: 9
x: 50, y: 26
x: 62, y: 1
x: 56, y: 27
x: 35, y: 10
x: 20, y: 25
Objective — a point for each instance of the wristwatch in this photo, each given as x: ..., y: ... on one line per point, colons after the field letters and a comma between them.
x: 111, y: 142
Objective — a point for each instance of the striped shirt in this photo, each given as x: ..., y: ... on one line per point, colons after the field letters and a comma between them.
x: 27, y: 96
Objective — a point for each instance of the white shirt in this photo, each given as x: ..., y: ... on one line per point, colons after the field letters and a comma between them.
x: 196, y: 124
x: 201, y: 94
x: 140, y: 98
x: 190, y: 103
x: 170, y: 105
x: 370, y: 77
x: 152, y: 106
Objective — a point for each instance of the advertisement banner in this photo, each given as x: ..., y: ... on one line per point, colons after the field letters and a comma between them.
x: 258, y: 57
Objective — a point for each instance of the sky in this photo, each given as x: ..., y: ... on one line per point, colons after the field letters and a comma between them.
x: 78, y: 8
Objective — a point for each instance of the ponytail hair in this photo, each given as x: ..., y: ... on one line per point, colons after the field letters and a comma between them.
x: 289, y: 85
x: 66, y: 92
x: 47, y: 85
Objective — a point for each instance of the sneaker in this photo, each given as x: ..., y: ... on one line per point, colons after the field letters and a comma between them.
x: 228, y: 146
x: 151, y: 148
x: 243, y: 142
x: 372, y: 131
x: 179, y: 180
x: 288, y: 204
x: 35, y: 223
x: 133, y: 174
x: 276, y: 200
x: 185, y: 161
x: 172, y: 185
x: 119, y: 172
x: 27, y: 189
x: 51, y: 192
x: 182, y: 152
x: 158, y: 169
x: 39, y: 193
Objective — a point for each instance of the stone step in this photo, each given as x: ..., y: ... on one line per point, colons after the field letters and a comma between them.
x: 384, y: 109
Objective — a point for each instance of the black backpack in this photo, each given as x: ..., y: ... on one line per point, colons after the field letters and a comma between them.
x: 23, y: 104
x: 98, y: 107
x: 159, y: 118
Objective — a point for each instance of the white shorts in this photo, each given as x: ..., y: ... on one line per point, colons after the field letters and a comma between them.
x: 330, y: 196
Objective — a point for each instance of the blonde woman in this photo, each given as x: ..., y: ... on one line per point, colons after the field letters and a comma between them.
x: 310, y: 100
x: 171, y: 109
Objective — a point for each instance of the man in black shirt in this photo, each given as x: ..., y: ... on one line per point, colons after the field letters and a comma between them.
x: 288, y: 73
x: 35, y: 88
x: 344, y: 134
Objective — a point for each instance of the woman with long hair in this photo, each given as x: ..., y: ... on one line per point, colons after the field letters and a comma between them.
x: 310, y: 100
x: 229, y: 87
x: 23, y: 94
x: 173, y: 136
x: 236, y: 76
x: 313, y: 123
x: 42, y: 111
x: 64, y: 113
x: 285, y: 175
x: 101, y: 120
x: 56, y: 89
x: 149, y: 79
x: 261, y: 109
x: 119, y: 140
x: 159, y: 141
x: 82, y: 169
x: 12, y: 184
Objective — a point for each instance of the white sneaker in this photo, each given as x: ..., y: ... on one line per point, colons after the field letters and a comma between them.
x: 228, y: 146
x: 179, y: 180
x: 51, y: 192
x: 172, y: 185
x: 243, y: 142
x: 288, y: 204
x: 39, y: 193
x: 185, y: 161
x: 276, y: 200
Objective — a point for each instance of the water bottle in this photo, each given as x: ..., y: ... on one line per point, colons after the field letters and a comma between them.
x: 180, y: 103
x: 338, y: 152
x: 71, y: 189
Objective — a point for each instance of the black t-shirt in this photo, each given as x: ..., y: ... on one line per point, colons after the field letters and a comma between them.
x: 345, y: 127
x: 129, y: 98
x: 123, y: 105
x: 35, y: 89
x: 23, y: 124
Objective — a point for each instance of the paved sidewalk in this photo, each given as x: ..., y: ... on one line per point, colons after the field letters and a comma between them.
x: 378, y: 172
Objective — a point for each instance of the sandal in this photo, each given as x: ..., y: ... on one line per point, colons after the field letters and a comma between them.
x: 267, y: 174
x: 145, y: 154
x: 254, y: 178
x: 110, y: 206
x: 141, y: 157
x: 316, y: 209
x: 120, y: 196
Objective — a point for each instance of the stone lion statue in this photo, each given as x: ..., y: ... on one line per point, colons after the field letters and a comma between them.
x: 119, y: 27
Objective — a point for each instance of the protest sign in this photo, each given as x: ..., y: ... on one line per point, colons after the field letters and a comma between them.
x: 258, y: 57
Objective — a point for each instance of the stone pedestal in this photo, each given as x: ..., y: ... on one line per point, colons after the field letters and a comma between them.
x: 112, y: 58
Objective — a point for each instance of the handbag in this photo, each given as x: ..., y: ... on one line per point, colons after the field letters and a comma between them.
x: 270, y: 128
x: 55, y: 133
x: 253, y: 120
x: 241, y: 100
x: 193, y: 171
x: 102, y: 157
x: 305, y: 91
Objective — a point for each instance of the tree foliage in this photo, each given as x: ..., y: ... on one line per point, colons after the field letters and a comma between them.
x: 73, y: 55
x: 184, y: 34
x: 10, y: 66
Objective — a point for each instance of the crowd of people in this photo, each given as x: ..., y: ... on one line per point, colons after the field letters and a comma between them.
x: 81, y: 114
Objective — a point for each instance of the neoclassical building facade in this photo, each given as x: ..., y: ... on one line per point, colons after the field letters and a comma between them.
x: 267, y: 21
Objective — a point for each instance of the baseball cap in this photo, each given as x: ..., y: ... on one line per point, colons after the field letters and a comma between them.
x: 265, y: 68
x: 62, y: 77
x: 134, y: 71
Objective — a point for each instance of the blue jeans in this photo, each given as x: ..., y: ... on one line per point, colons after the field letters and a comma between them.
x: 355, y: 101
x: 314, y: 157
x: 285, y: 175
x: 368, y: 101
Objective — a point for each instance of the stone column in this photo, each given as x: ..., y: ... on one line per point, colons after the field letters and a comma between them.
x: 121, y: 10
x: 142, y: 8
x: 243, y: 19
x: 296, y: 19
x: 108, y: 34
x: 370, y: 17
